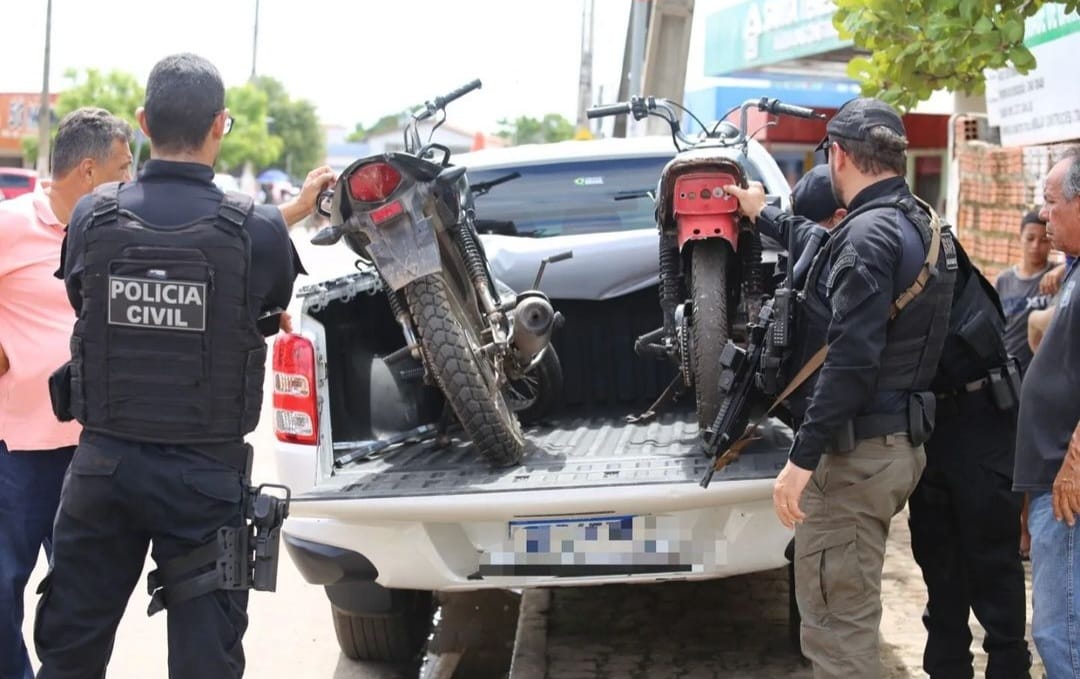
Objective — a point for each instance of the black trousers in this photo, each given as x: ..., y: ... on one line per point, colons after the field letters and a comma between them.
x: 119, y: 498
x: 965, y: 536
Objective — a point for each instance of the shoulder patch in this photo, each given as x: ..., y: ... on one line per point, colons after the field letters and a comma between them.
x: 847, y: 259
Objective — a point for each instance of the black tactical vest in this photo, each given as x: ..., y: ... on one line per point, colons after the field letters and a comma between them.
x: 166, y: 348
x: 975, y: 342
x: 914, y: 337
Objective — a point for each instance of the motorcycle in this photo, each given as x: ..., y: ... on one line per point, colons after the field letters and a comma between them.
x: 712, y: 279
x: 410, y: 215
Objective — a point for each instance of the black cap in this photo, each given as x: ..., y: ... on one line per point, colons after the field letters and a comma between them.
x: 858, y: 116
x: 812, y: 196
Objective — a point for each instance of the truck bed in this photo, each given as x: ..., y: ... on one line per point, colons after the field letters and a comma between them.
x: 574, y: 452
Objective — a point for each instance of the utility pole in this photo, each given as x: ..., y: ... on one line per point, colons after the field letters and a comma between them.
x: 585, y: 77
x: 255, y: 42
x: 44, y: 119
x: 633, y: 56
x: 639, y: 26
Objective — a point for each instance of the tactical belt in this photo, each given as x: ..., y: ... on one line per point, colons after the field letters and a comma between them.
x: 818, y: 359
x: 969, y: 388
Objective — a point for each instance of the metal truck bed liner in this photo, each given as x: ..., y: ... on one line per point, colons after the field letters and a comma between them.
x: 573, y: 453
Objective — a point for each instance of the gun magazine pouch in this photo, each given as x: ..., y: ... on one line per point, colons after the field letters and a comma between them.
x: 60, y: 392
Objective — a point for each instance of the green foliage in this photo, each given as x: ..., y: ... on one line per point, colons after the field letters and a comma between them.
x: 526, y: 130
x: 297, y: 125
x: 250, y: 139
x: 117, y: 92
x: 919, y: 46
x: 387, y: 123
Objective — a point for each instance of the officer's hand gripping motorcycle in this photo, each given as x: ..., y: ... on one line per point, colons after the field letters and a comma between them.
x: 411, y: 216
x: 711, y: 272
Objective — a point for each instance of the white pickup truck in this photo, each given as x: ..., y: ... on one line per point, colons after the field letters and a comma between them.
x: 597, y: 500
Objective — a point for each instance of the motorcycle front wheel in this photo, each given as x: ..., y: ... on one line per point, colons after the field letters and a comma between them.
x: 709, y: 324
x: 452, y: 351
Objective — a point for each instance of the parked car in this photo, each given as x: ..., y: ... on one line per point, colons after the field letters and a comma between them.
x: 15, y: 181
x: 384, y: 515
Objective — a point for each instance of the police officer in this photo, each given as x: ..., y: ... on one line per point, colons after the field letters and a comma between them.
x: 964, y: 517
x: 169, y: 278
x: 878, y: 294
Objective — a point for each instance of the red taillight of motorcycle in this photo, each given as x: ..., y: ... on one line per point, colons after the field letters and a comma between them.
x: 387, y: 212
x: 373, y: 182
x: 296, y: 417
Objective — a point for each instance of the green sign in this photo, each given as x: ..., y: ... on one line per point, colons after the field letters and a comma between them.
x: 757, y: 33
x: 1049, y: 23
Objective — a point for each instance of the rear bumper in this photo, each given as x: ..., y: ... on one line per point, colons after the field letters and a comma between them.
x: 449, y: 543
x: 323, y: 564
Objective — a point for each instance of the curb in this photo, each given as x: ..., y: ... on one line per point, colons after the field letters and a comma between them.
x: 529, y: 660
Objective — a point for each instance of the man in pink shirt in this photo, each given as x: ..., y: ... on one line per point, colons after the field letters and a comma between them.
x: 92, y: 147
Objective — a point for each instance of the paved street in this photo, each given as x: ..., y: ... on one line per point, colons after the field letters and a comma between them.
x: 733, y: 628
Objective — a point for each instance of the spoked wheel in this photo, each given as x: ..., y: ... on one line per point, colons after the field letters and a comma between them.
x: 452, y: 350
x: 709, y: 327
x: 537, y: 393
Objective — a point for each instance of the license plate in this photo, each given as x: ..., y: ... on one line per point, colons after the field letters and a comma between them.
x: 581, y: 546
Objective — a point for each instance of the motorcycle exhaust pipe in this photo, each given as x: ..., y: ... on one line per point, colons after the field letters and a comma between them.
x: 534, y: 319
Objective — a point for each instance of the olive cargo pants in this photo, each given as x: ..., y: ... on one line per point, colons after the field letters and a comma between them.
x: 840, y: 551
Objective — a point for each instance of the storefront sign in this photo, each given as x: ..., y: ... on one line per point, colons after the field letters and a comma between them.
x: 1040, y: 107
x: 761, y: 32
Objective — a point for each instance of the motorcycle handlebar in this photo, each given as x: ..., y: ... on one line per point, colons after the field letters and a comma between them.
x: 608, y: 110
x: 442, y: 101
x: 776, y: 107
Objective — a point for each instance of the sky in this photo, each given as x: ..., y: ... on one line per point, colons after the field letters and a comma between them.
x: 355, y: 59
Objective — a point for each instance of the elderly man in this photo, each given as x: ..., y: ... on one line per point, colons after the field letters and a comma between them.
x: 1048, y: 445
x: 91, y: 148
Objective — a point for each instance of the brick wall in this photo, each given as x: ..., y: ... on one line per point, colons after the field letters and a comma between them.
x: 997, y: 186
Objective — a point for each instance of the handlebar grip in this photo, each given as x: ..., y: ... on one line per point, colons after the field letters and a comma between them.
x: 779, y: 108
x: 620, y: 108
x: 457, y: 94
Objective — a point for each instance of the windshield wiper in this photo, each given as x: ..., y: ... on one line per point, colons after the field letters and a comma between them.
x: 637, y: 193
x: 480, y: 188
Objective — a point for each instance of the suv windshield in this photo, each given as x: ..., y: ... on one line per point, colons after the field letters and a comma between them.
x: 567, y: 198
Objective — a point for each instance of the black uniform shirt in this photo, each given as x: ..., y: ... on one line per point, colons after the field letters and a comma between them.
x: 1049, y: 407
x: 778, y: 224
x: 889, y: 253
x: 173, y: 194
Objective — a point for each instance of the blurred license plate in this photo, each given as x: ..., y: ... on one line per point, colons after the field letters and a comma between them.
x: 579, y: 546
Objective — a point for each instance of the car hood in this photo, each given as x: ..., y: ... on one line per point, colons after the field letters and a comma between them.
x: 604, y: 265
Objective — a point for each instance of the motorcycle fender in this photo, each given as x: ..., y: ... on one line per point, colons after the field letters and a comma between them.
x: 702, y: 210
x: 403, y: 250
x: 700, y: 227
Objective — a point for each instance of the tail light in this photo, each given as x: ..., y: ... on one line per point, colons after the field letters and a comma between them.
x: 373, y: 182
x: 296, y: 417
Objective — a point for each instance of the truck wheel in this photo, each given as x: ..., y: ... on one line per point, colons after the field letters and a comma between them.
x: 537, y: 394
x: 709, y: 325
x: 452, y: 351
x: 395, y: 636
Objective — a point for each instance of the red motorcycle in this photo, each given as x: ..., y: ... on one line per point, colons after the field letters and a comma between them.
x: 712, y: 277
